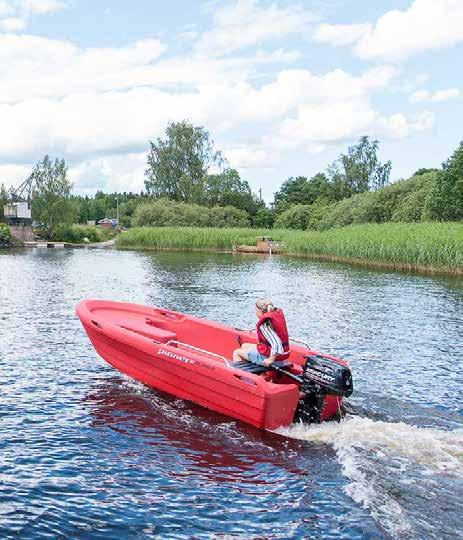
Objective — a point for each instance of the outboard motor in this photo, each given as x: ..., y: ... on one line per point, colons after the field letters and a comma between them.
x: 321, y: 376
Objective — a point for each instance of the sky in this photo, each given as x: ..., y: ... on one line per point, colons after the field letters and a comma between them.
x: 282, y: 86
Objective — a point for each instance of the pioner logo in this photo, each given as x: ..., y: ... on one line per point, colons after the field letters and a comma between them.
x: 170, y: 354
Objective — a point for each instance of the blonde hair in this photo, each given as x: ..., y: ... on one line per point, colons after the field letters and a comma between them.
x: 265, y: 305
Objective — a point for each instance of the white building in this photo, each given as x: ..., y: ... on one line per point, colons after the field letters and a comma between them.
x: 18, y: 212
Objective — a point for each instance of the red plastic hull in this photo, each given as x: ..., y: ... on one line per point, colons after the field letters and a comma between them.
x: 153, y: 346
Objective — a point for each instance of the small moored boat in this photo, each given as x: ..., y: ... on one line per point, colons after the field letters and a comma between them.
x: 189, y: 357
x: 264, y: 244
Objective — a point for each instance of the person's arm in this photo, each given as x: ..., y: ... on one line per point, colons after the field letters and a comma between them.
x: 269, y: 360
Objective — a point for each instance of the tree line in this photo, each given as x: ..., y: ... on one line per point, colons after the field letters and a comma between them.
x: 189, y: 182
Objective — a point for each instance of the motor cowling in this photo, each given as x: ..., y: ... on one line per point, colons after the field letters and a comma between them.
x: 332, y: 377
x: 321, y: 376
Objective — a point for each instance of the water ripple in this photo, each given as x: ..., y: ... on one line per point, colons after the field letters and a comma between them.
x: 87, y: 453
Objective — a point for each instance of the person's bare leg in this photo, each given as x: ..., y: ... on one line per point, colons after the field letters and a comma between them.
x: 242, y: 352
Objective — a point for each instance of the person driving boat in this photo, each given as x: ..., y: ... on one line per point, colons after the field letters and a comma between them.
x: 272, y: 336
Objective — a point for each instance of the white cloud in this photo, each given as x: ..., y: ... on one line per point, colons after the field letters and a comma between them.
x: 60, y: 118
x: 246, y: 23
x: 436, y: 97
x: 425, y: 25
x: 444, y: 95
x: 33, y: 67
x: 314, y: 126
x: 99, y: 107
x: 5, y: 8
x: 340, y: 34
x: 419, y: 96
x: 16, y: 16
x: 12, y: 174
x: 249, y: 156
x: 13, y: 24
x: 42, y: 7
x: 109, y: 173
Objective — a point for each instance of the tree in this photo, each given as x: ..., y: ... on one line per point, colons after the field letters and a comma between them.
x: 52, y: 189
x: 4, y: 198
x: 295, y: 217
x: 263, y: 218
x: 359, y: 170
x: 301, y: 190
x: 446, y: 197
x: 227, y: 189
x: 423, y: 170
x: 178, y: 164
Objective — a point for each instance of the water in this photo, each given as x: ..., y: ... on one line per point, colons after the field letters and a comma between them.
x: 87, y: 453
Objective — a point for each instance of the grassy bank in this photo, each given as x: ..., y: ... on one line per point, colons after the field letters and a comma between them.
x: 428, y: 247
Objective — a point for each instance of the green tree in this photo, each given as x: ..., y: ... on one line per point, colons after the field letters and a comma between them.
x: 228, y: 189
x: 446, y: 197
x: 4, y: 198
x: 168, y: 213
x: 359, y: 170
x: 296, y: 217
x: 178, y: 164
x: 423, y: 170
x: 263, y: 218
x: 52, y: 204
x: 301, y: 190
x: 5, y: 235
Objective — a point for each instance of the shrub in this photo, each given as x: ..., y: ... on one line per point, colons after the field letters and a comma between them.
x: 228, y: 216
x: 75, y: 234
x: 446, y: 196
x: 167, y: 213
x: 5, y: 234
x: 303, y: 216
x: 296, y: 217
x: 263, y: 218
x: 396, y: 202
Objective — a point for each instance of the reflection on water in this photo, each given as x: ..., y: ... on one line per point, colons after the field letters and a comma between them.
x: 87, y: 453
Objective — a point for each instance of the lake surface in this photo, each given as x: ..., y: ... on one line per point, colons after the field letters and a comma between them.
x: 87, y: 453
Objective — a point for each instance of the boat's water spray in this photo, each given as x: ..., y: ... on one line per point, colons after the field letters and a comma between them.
x: 374, y: 456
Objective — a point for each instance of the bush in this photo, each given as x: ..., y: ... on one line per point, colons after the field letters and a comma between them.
x: 303, y: 216
x: 402, y: 201
x: 412, y: 208
x: 263, y: 218
x: 228, y: 216
x: 296, y: 217
x: 446, y: 196
x: 5, y: 235
x: 167, y: 213
x: 75, y: 234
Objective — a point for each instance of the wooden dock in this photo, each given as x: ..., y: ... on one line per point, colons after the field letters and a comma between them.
x: 42, y: 244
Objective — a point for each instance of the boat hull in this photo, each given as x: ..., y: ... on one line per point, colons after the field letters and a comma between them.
x: 154, y: 347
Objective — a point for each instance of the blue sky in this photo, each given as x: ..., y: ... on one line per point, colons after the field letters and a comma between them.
x: 283, y: 86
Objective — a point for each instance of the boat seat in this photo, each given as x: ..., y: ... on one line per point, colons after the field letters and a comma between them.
x: 257, y: 369
x: 152, y: 332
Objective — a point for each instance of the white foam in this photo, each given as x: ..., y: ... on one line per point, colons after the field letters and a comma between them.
x: 363, y: 446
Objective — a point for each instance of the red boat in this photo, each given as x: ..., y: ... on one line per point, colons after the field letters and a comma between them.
x: 189, y: 358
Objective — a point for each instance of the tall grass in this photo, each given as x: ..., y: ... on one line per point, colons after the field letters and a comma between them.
x: 188, y: 238
x: 438, y: 245
x: 420, y: 244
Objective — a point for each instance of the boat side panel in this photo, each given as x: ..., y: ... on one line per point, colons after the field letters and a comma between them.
x: 220, y: 389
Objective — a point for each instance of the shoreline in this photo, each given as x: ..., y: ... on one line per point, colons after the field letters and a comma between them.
x: 354, y: 261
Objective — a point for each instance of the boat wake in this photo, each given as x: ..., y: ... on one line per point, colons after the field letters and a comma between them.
x: 395, y: 470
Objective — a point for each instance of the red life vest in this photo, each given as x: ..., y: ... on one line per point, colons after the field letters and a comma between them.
x: 278, y: 321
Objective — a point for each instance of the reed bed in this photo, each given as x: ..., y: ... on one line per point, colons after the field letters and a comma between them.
x: 188, y: 238
x: 418, y: 246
